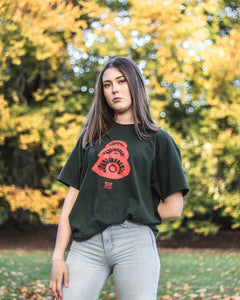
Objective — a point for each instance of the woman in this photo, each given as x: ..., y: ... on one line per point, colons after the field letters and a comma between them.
x: 121, y: 167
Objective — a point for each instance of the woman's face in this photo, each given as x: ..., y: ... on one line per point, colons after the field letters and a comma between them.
x: 117, y: 93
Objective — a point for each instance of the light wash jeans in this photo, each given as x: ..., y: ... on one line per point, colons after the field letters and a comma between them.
x: 128, y: 251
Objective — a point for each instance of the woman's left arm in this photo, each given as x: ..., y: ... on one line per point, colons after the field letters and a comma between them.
x: 171, y: 207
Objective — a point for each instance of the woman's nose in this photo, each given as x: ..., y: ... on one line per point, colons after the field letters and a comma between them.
x: 115, y: 87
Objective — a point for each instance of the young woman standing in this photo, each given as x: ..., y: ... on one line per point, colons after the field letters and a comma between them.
x: 125, y: 177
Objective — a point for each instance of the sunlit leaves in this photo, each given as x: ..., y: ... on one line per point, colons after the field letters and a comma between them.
x: 45, y: 204
x: 188, y: 52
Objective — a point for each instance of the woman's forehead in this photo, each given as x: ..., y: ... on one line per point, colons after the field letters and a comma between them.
x: 111, y: 74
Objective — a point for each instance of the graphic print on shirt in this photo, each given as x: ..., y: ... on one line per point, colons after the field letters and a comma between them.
x: 113, y: 161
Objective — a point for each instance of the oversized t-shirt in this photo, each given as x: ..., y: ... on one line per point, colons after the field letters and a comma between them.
x: 122, y: 178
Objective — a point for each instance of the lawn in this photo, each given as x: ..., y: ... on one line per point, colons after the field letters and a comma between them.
x: 185, y: 275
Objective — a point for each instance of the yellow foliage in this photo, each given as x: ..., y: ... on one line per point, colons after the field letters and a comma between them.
x: 203, y: 227
x: 223, y: 60
x: 160, y: 33
x: 156, y: 108
x: 217, y: 206
x: 189, y: 214
x: 164, y: 28
x: 144, y: 12
x: 47, y: 25
x: 6, y: 125
x: 34, y: 200
x: 3, y: 105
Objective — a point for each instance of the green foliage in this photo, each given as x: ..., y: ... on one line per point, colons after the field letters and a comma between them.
x: 4, y: 210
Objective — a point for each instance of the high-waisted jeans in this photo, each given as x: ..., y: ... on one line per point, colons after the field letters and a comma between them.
x: 128, y: 251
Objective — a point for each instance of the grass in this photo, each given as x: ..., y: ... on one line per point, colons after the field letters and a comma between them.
x: 200, y: 275
x: 185, y: 275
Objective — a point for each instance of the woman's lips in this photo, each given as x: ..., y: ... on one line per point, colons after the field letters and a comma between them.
x: 116, y: 99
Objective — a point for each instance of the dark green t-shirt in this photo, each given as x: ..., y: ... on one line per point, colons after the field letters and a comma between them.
x: 122, y: 178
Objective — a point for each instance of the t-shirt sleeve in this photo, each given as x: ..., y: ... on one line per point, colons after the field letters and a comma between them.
x: 169, y: 170
x: 70, y: 174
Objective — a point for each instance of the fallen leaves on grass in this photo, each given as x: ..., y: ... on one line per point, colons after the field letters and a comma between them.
x: 187, y: 292
x: 39, y: 291
x: 35, y: 291
x: 11, y: 289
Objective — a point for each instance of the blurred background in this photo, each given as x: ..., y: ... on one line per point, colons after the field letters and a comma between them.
x: 50, y: 55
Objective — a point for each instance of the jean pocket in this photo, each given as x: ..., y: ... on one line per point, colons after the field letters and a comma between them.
x: 151, y: 233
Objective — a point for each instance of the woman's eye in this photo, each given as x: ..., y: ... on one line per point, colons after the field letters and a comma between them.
x: 106, y: 85
x: 122, y: 81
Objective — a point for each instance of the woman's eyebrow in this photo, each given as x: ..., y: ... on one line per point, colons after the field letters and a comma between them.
x: 108, y: 80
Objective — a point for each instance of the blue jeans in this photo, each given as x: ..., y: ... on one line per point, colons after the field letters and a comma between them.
x: 128, y: 251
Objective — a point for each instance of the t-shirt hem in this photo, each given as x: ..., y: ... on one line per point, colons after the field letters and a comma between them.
x: 68, y: 183
x: 153, y: 227
x: 184, y: 191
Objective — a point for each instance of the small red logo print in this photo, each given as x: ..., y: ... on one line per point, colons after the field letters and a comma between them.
x: 113, y: 161
x: 108, y: 185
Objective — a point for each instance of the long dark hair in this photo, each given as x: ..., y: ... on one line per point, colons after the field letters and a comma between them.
x: 101, y: 116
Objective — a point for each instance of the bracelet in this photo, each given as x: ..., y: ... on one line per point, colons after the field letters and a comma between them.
x: 55, y: 259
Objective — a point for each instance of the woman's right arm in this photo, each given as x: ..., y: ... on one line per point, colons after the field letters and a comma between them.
x: 59, y: 267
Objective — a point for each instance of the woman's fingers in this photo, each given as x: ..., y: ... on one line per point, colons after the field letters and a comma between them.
x: 53, y: 288
x: 59, y: 277
x: 56, y: 288
x: 59, y: 290
x: 66, y: 281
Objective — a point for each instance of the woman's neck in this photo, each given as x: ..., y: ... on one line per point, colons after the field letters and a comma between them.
x: 124, y: 119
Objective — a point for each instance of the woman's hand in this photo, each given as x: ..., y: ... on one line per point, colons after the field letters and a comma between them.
x: 59, y: 276
x: 59, y: 268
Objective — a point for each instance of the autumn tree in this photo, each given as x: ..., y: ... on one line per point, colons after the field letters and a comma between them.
x: 189, y: 56
x: 51, y: 52
x: 42, y: 101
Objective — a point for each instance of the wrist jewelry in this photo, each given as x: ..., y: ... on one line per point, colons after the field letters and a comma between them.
x: 55, y: 259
